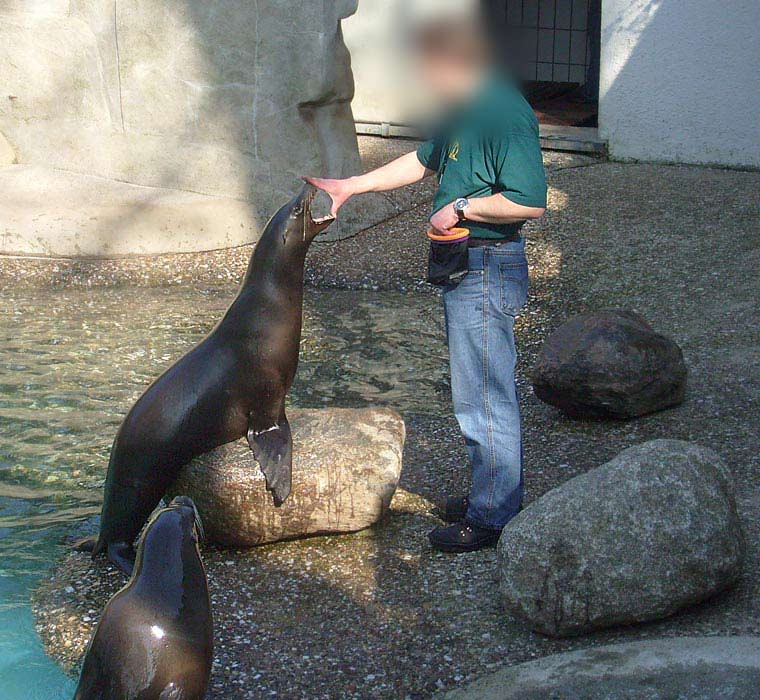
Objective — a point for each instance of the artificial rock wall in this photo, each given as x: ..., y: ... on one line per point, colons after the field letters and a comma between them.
x: 232, y: 99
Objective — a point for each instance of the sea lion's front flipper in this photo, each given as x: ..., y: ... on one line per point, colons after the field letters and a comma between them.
x: 273, y: 450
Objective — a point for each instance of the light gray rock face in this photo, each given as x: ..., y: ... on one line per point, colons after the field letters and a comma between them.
x: 7, y: 154
x: 55, y: 212
x: 346, y: 467
x: 648, y: 533
x: 609, y: 364
x: 228, y: 99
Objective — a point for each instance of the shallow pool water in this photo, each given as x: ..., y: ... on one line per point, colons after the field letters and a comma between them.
x: 73, y: 362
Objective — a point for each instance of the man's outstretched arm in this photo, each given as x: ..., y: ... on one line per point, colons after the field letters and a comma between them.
x: 402, y: 171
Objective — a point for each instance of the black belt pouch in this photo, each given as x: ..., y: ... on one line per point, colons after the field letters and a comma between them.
x: 447, y: 262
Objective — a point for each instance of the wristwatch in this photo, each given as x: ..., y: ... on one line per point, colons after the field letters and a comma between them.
x: 460, y: 207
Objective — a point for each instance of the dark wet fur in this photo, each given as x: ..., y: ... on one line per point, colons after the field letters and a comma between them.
x: 154, y: 640
x: 230, y: 385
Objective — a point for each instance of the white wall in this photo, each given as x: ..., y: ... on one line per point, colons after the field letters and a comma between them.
x: 232, y: 100
x: 680, y: 80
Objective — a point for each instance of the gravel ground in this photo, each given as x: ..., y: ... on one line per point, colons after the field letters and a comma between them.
x: 378, y: 614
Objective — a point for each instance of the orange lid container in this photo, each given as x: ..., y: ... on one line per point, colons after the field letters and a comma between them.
x: 453, y: 235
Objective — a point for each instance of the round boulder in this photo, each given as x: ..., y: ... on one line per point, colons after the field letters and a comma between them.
x: 346, y: 467
x: 648, y: 533
x: 609, y: 364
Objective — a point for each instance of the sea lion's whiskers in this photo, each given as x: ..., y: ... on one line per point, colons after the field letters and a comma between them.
x: 198, y: 523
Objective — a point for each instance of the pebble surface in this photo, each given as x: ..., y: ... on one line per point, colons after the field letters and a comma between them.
x: 379, y: 614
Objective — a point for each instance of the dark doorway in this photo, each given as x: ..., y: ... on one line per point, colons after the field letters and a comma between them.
x: 552, y: 46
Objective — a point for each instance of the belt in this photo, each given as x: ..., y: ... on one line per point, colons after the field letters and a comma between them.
x: 488, y: 242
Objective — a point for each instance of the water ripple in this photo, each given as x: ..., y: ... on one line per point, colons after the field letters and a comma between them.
x: 73, y: 362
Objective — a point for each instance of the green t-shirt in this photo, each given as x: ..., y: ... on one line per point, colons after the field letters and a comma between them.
x: 488, y: 146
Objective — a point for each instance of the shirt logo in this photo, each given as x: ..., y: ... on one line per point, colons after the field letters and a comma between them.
x: 454, y: 151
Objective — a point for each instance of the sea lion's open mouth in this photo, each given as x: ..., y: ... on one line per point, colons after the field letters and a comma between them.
x: 320, y: 223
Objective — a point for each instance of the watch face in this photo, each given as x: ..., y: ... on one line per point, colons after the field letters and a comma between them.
x: 461, y: 204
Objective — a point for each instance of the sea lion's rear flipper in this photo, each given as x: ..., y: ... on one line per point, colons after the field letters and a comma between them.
x: 122, y: 555
x: 88, y: 544
x: 273, y: 450
x: 93, y: 545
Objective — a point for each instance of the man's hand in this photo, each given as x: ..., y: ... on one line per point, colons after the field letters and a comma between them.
x: 402, y: 171
x: 444, y: 219
x: 339, y: 190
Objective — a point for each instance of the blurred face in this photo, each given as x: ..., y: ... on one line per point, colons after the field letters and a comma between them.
x: 450, y: 62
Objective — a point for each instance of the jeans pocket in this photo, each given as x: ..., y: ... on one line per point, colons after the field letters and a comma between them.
x: 513, y: 281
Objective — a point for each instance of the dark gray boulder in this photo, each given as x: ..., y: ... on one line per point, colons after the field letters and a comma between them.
x: 609, y: 364
x: 644, y: 535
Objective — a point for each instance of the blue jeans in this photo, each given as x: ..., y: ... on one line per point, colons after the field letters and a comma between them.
x: 480, y: 319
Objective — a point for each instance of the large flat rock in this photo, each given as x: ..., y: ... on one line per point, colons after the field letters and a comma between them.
x: 346, y: 467
x: 690, y: 668
x: 58, y: 213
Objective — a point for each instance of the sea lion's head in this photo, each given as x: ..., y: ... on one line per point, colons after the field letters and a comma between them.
x: 295, y: 222
x: 189, y: 518
x: 171, y: 534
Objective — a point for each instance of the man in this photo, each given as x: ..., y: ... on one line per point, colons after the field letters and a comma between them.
x: 491, y: 180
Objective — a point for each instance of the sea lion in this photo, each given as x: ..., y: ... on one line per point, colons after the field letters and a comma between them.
x: 155, y: 638
x: 230, y: 385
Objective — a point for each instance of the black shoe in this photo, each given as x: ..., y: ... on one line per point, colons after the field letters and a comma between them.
x: 453, y: 509
x: 463, y: 537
